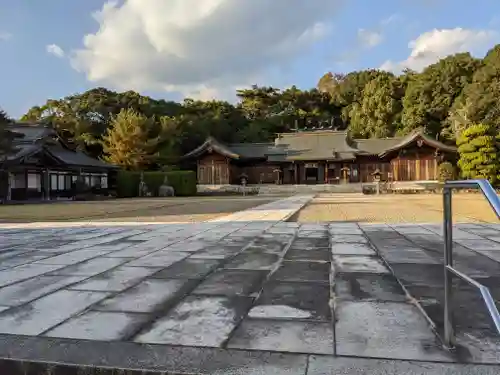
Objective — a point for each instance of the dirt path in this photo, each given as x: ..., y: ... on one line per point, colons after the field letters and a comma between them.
x: 420, y: 208
x: 153, y: 210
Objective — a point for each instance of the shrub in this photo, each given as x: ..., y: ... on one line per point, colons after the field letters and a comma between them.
x: 479, y: 152
x: 183, y: 182
x: 446, y: 172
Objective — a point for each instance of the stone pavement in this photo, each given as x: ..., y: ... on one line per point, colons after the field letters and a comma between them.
x: 248, y: 295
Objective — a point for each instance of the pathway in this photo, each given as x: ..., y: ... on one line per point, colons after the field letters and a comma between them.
x: 249, y: 294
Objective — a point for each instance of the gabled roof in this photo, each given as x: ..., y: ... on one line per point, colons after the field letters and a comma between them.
x: 236, y: 151
x: 36, y: 138
x: 414, y: 137
x: 316, y: 145
x: 329, y: 145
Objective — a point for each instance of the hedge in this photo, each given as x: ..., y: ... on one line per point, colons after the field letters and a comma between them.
x: 183, y: 182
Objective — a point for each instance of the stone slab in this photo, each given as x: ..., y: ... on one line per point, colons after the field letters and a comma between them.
x: 31, y: 289
x: 318, y: 255
x: 321, y: 365
x: 74, y: 256
x: 284, y: 336
x: 368, y: 287
x: 303, y: 272
x: 352, y: 249
x: 90, y: 267
x: 137, y: 357
x: 385, y: 330
x: 217, y: 252
x: 309, y: 301
x: 348, y: 238
x: 197, y: 321
x: 252, y: 261
x: 27, y: 271
x: 46, y: 312
x: 363, y: 264
x: 159, y: 259
x: 302, y: 244
x: 410, y: 256
x: 115, y: 280
x: 147, y: 296
x: 232, y: 283
x: 189, y: 269
x: 99, y: 325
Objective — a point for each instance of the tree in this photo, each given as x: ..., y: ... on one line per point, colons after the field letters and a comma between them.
x: 6, y: 137
x: 479, y: 152
x: 379, y: 113
x: 479, y: 101
x: 431, y: 94
x: 127, y: 143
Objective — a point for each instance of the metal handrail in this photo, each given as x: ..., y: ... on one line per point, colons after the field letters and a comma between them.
x: 494, y: 201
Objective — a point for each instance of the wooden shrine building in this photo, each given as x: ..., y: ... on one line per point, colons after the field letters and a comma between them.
x: 42, y: 167
x: 320, y: 157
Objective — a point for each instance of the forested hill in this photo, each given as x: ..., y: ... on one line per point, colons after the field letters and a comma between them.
x: 447, y: 97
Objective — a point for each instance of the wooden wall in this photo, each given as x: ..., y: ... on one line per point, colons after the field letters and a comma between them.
x: 260, y: 173
x: 213, y: 169
x: 413, y: 169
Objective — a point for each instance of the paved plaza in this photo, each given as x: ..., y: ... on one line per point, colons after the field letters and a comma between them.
x: 248, y: 293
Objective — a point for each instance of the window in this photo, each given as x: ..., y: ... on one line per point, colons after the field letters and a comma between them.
x: 53, y: 182
x: 104, y: 182
x: 67, y: 181
x: 96, y: 180
x: 34, y: 181
x: 87, y: 180
x: 61, y: 182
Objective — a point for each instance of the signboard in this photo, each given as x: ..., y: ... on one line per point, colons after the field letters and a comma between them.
x: 311, y: 165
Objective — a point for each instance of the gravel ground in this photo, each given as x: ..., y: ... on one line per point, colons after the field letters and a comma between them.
x: 190, y: 209
x: 418, y: 208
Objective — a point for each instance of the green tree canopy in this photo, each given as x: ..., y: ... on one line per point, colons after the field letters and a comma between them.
x: 479, y: 153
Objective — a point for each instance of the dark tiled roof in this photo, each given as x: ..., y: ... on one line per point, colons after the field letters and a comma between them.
x: 414, y: 137
x: 212, y: 144
x: 76, y: 158
x: 375, y: 146
x: 251, y: 150
x: 36, y: 138
x: 30, y: 132
x: 317, y: 145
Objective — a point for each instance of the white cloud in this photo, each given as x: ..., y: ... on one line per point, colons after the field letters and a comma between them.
x: 433, y: 45
x: 4, y: 36
x: 194, y: 46
x: 369, y: 38
x: 55, y: 50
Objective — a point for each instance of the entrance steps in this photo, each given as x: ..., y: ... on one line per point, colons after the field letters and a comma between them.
x: 308, y: 189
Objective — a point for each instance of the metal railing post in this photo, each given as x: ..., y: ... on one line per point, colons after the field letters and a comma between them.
x: 448, y: 262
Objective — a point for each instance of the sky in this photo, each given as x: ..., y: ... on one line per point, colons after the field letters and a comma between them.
x: 206, y: 49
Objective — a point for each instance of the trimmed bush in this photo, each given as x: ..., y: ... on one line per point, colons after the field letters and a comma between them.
x: 183, y: 182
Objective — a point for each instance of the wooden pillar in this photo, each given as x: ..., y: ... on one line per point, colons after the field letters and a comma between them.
x: 395, y: 164
x: 417, y: 166
x: 9, y: 186
x: 326, y: 173
x: 295, y: 174
x: 213, y: 172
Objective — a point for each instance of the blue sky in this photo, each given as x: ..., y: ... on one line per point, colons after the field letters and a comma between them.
x: 355, y: 34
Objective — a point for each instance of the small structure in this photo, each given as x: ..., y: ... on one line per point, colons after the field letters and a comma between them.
x: 376, y: 178
x: 43, y: 166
